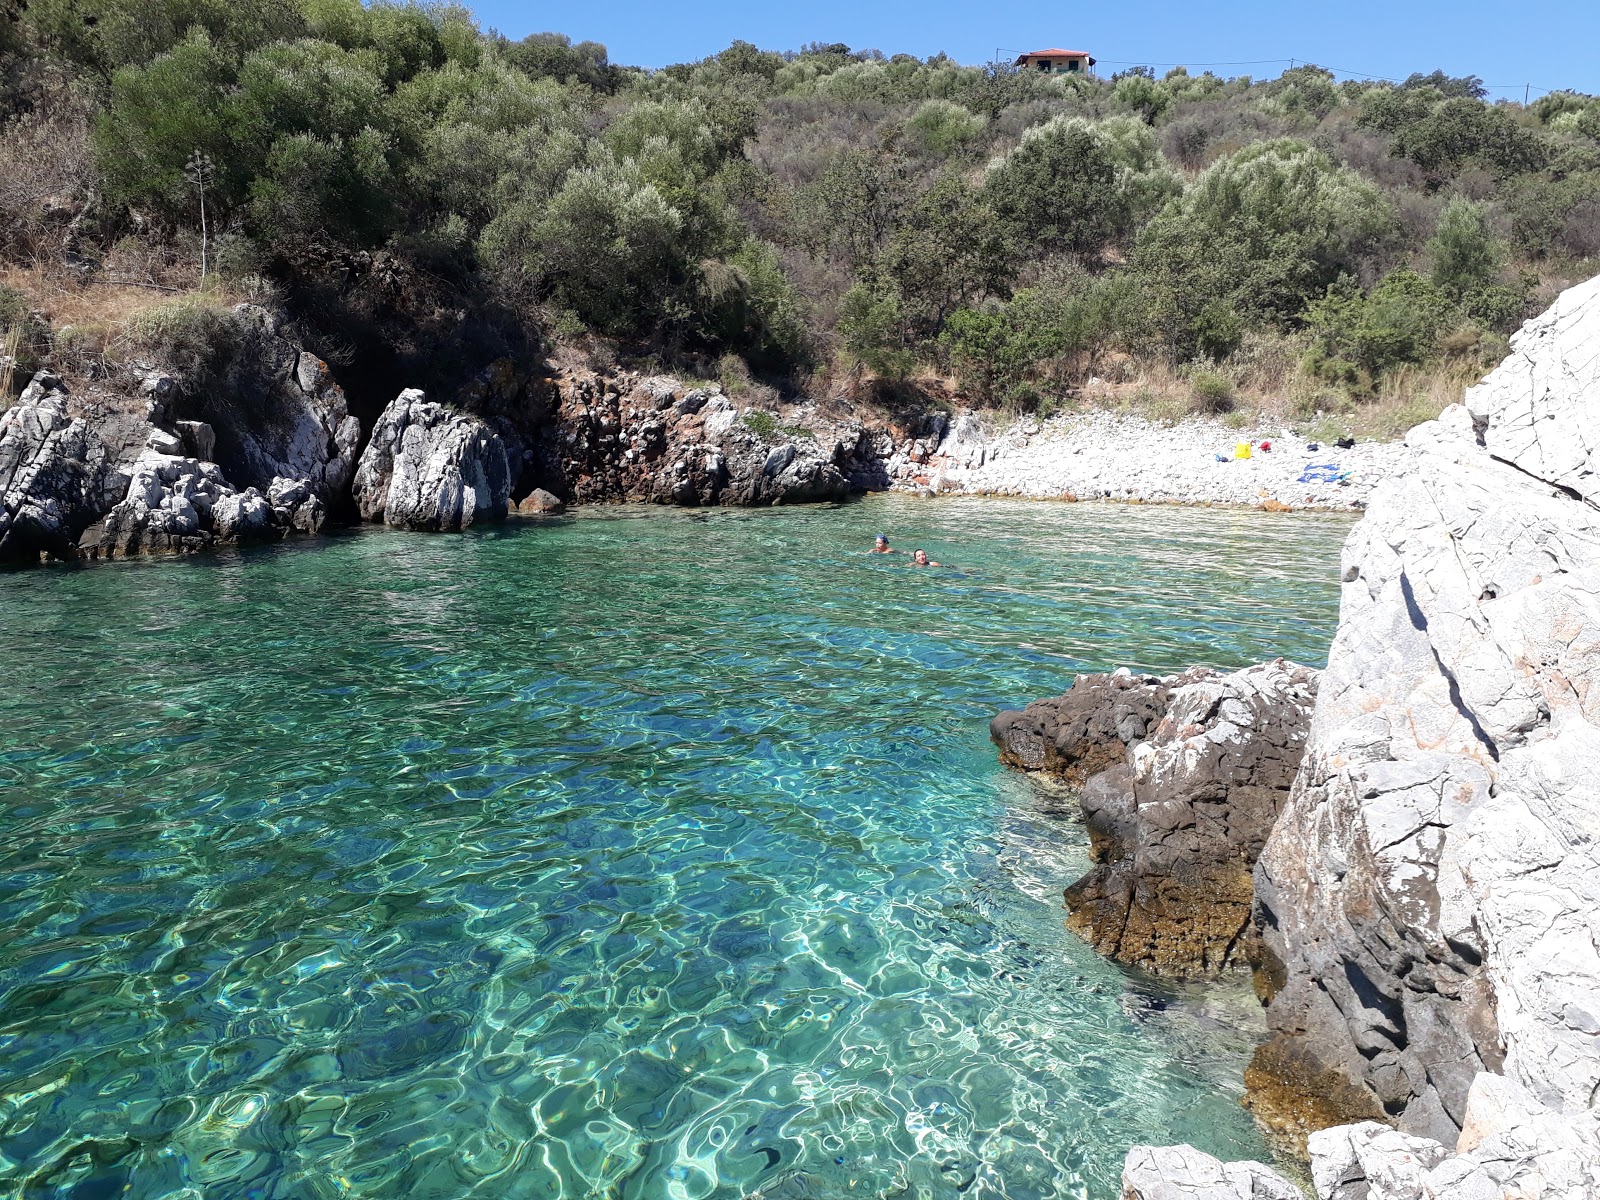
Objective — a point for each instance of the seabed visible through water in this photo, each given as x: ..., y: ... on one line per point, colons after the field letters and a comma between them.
x: 641, y: 853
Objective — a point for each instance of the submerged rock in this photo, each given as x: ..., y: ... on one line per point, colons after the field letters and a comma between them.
x: 1184, y: 1173
x: 428, y: 467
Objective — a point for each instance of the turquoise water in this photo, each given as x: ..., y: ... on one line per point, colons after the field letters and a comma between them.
x: 637, y: 854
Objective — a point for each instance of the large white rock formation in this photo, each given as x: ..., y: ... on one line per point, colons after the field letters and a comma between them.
x: 430, y: 467
x: 1431, y: 893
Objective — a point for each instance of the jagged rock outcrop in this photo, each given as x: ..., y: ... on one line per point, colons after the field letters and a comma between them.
x: 56, y: 473
x: 285, y: 415
x: 428, y: 467
x: 1084, y: 731
x: 1430, y: 897
x: 1510, y: 1146
x: 114, y: 484
x: 1182, y: 778
x: 1184, y: 1173
x: 662, y: 441
x: 179, y: 505
x: 1178, y: 827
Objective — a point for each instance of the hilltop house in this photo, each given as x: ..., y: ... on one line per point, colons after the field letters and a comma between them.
x: 1058, y: 62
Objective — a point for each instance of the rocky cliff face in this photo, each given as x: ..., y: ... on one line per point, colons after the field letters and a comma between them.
x: 659, y: 440
x: 306, y: 430
x: 58, y: 472
x: 1182, y: 778
x: 113, y: 484
x: 1430, y: 897
x: 1433, y: 890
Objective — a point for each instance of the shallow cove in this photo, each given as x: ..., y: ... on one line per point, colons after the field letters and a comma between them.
x: 639, y: 853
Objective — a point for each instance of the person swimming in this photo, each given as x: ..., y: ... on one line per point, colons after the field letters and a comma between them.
x: 881, y: 545
x: 921, y: 559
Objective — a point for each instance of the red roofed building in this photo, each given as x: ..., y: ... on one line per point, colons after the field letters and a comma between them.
x: 1058, y: 62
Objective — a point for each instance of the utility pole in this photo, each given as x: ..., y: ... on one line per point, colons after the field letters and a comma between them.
x: 1525, y: 89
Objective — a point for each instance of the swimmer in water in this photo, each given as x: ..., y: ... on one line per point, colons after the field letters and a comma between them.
x: 921, y: 559
x: 881, y: 545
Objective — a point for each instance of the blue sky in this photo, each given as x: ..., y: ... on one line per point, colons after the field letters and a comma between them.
x: 1547, y: 43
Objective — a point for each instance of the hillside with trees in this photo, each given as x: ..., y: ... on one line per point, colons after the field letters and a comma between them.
x: 422, y: 196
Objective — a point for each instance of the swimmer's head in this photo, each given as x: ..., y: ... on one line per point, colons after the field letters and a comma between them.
x: 881, y: 540
x: 921, y: 556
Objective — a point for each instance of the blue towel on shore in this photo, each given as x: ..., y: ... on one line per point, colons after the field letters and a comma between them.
x: 1323, y: 473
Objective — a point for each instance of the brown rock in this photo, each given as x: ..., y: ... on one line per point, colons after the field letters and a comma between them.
x: 1182, y: 779
x: 540, y: 503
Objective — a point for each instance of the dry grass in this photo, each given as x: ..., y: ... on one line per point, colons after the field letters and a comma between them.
x: 10, y: 343
x: 95, y: 323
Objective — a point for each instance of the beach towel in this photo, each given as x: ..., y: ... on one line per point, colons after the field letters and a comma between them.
x: 1323, y: 473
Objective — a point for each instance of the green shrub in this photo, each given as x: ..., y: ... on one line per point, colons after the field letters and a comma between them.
x: 1212, y: 392
x: 1398, y: 322
x: 1260, y: 233
x: 940, y: 127
x: 1467, y: 256
x: 870, y: 327
x: 763, y: 424
x: 1058, y: 188
x: 191, y: 336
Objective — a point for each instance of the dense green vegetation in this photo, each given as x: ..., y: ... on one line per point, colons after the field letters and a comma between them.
x: 399, y: 177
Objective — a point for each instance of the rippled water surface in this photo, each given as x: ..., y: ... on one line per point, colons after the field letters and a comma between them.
x: 641, y: 854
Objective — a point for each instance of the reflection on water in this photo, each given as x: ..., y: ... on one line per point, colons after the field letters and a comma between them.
x: 632, y: 854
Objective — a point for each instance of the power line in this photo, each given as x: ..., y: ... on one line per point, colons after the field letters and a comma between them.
x: 1243, y: 62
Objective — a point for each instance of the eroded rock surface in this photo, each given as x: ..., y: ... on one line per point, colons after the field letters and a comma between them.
x: 117, y: 484
x: 1178, y: 827
x: 659, y: 440
x: 55, y: 473
x: 428, y: 467
x: 177, y: 505
x: 303, y: 430
x: 1084, y: 731
x: 1510, y: 1146
x: 1182, y: 778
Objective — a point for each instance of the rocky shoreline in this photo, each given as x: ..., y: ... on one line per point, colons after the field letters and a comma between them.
x: 1420, y: 902
x: 268, y: 447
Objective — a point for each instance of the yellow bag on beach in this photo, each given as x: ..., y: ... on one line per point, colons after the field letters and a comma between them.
x: 1241, y: 449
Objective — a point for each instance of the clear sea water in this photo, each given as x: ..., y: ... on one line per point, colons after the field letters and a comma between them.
x: 634, y: 854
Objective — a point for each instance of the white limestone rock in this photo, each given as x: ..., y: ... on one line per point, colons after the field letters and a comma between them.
x: 58, y: 473
x: 176, y: 504
x: 1535, y: 408
x: 1511, y: 1147
x: 1184, y: 1173
x: 431, y: 468
x: 1433, y: 887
